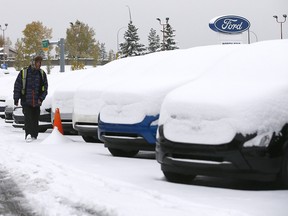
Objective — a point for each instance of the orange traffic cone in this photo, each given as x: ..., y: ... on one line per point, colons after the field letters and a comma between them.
x: 57, y: 121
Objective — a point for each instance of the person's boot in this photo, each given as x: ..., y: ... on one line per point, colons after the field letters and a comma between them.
x: 28, y: 138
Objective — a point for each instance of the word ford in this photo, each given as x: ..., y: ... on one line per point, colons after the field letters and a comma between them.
x: 231, y: 24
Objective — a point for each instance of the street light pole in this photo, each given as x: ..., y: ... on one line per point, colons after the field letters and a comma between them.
x: 163, y: 30
x: 3, y: 29
x: 129, y: 13
x: 281, y: 23
x: 118, y: 37
x: 249, y: 39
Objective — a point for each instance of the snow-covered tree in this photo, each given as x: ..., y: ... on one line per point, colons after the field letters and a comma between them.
x: 169, y: 41
x: 131, y: 46
x: 153, y: 41
x: 103, y: 52
x: 111, y: 56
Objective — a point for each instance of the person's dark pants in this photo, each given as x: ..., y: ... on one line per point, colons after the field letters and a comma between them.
x: 31, y: 117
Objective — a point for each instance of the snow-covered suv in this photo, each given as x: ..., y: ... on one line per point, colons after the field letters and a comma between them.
x: 232, y: 122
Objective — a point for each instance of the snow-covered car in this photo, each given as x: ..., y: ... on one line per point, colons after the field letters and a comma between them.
x: 8, y: 114
x: 62, y: 97
x: 8, y: 71
x: 44, y: 118
x: 6, y: 91
x: 129, y: 118
x: 85, y: 106
x: 88, y: 97
x: 232, y: 122
x: 9, y: 110
x: 2, y: 108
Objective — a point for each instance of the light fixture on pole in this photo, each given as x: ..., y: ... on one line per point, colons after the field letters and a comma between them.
x: 281, y: 24
x: 3, y: 29
x: 163, y: 30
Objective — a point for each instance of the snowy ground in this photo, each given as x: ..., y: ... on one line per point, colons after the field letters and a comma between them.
x: 58, y: 175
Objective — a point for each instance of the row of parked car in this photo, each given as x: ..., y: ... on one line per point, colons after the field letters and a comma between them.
x: 212, y: 110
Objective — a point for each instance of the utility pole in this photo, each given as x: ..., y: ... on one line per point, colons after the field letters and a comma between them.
x: 163, y: 30
x: 6, y: 24
x: 281, y: 24
x: 129, y: 13
x: 61, y: 44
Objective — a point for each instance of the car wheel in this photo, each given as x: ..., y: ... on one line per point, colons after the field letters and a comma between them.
x: 123, y: 153
x: 91, y: 139
x: 283, y: 178
x: 178, y: 178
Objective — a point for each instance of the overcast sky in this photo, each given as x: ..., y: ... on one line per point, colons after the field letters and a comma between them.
x: 107, y: 17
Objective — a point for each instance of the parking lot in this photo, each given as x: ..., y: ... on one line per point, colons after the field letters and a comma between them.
x: 71, y: 175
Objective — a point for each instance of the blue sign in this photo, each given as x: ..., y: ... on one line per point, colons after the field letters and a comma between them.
x: 229, y: 24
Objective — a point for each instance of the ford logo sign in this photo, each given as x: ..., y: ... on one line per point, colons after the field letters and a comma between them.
x: 229, y: 24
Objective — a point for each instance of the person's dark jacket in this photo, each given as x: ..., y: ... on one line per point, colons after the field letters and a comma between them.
x: 34, y: 95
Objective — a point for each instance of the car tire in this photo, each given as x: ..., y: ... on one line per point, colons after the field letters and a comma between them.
x: 91, y: 139
x: 123, y: 153
x: 283, y: 177
x: 178, y: 178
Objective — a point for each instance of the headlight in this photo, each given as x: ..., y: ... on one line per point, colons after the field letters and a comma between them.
x: 261, y: 140
x: 18, y: 111
x: 265, y: 140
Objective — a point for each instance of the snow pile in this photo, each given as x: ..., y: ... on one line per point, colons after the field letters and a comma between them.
x: 56, y: 137
x: 245, y: 93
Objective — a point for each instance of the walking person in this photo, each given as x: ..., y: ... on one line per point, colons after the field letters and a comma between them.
x: 31, y: 88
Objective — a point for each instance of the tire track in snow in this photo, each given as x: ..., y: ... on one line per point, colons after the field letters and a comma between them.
x: 12, y: 201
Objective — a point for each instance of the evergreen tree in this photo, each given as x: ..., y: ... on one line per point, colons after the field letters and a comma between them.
x: 111, y: 56
x: 103, y: 53
x: 169, y: 36
x: 131, y: 46
x: 154, y: 41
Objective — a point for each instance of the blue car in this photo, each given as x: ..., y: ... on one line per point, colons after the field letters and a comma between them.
x: 128, y: 119
x: 127, y: 139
